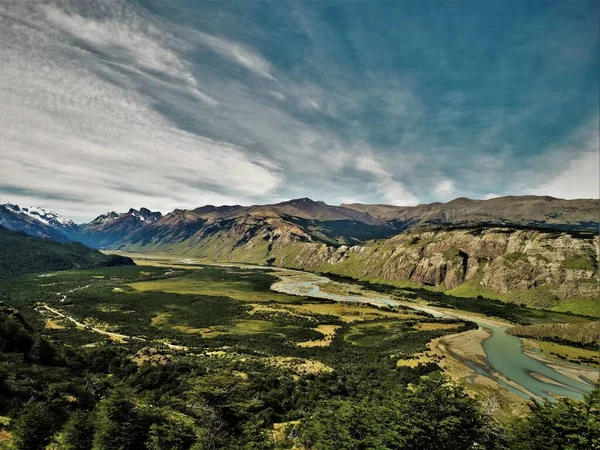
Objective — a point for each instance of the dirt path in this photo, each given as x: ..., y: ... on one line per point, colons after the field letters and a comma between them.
x: 118, y: 337
x: 115, y: 336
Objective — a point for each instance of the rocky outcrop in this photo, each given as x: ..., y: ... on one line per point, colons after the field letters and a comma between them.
x: 499, y: 262
x: 498, y: 259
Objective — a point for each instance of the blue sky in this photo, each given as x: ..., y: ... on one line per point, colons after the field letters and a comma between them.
x: 178, y: 104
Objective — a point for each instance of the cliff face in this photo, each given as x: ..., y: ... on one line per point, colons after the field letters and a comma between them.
x: 538, y: 268
x: 501, y: 261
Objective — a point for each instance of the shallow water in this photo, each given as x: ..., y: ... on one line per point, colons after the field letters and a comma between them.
x: 503, y: 351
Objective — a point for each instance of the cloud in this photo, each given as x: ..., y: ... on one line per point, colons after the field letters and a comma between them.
x: 580, y: 179
x: 393, y: 192
x: 109, y: 105
x: 491, y: 195
x: 236, y: 52
x: 126, y: 43
x: 570, y: 169
x: 69, y: 132
x: 444, y: 188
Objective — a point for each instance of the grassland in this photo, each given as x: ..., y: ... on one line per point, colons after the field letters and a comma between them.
x: 211, y: 307
x: 208, y: 283
x: 565, y: 352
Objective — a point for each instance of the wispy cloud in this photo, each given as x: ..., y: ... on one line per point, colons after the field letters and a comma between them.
x: 68, y: 129
x: 235, y: 52
x: 391, y: 190
x: 109, y: 105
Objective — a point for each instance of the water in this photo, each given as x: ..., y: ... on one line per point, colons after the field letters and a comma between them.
x: 503, y: 351
x: 505, y: 355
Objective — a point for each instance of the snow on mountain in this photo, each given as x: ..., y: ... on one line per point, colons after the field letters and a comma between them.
x: 49, y: 218
x: 105, y: 218
x: 36, y: 222
x: 145, y: 215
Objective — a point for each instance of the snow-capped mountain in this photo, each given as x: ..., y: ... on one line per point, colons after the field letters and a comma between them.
x: 145, y: 215
x: 105, y: 218
x: 111, y: 226
x: 37, y: 221
x: 105, y: 228
x: 49, y: 218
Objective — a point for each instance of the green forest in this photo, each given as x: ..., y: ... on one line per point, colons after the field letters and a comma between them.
x: 26, y: 254
x: 205, y: 370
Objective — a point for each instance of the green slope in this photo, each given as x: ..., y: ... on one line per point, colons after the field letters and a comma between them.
x: 21, y: 254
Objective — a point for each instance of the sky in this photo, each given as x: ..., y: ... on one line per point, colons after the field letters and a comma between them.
x: 112, y: 105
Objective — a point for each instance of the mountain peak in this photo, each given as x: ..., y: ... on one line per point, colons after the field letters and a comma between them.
x: 145, y: 215
x: 106, y: 217
x: 49, y: 218
x: 301, y: 200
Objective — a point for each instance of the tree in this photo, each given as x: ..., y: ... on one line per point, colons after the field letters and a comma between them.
x: 435, y: 416
x: 120, y: 424
x: 170, y: 434
x: 33, y: 427
x: 78, y: 432
x: 564, y: 425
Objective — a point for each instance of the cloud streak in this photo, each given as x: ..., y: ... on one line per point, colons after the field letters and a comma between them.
x: 118, y: 105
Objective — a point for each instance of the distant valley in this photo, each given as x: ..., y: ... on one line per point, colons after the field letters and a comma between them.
x: 537, y: 251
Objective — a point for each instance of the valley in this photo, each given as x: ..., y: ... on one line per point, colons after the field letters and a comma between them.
x: 504, y: 363
x: 243, y: 327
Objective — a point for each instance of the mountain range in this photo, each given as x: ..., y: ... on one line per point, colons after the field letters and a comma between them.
x: 541, y: 251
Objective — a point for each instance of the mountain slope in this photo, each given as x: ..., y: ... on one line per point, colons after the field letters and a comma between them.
x: 511, y: 248
x: 547, y: 269
x: 36, y: 222
x: 346, y: 224
x: 528, y: 211
x: 111, y: 227
x: 21, y: 254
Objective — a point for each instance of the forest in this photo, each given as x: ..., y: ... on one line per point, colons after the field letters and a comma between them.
x: 212, y: 359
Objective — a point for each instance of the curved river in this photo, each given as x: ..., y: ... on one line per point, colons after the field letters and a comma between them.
x: 503, y: 351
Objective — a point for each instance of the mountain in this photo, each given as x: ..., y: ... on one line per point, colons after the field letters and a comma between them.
x: 37, y: 222
x: 540, y: 251
x: 21, y: 254
x: 348, y: 224
x: 524, y: 211
x: 463, y: 247
x: 112, y: 227
x: 542, y: 268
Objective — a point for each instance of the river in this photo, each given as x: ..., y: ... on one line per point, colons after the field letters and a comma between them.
x: 503, y: 351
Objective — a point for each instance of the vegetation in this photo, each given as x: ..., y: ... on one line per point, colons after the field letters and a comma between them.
x: 586, y: 261
x: 22, y: 254
x: 210, y: 358
x: 477, y: 304
x: 581, y: 335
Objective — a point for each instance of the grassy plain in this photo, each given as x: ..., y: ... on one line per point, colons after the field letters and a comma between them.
x: 215, y: 307
x: 565, y: 352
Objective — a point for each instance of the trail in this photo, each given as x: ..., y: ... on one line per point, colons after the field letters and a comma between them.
x: 116, y: 336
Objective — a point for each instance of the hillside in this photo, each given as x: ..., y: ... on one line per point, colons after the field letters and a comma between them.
x: 584, y: 335
x: 525, y: 211
x: 544, y: 269
x: 21, y: 254
x: 533, y: 250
